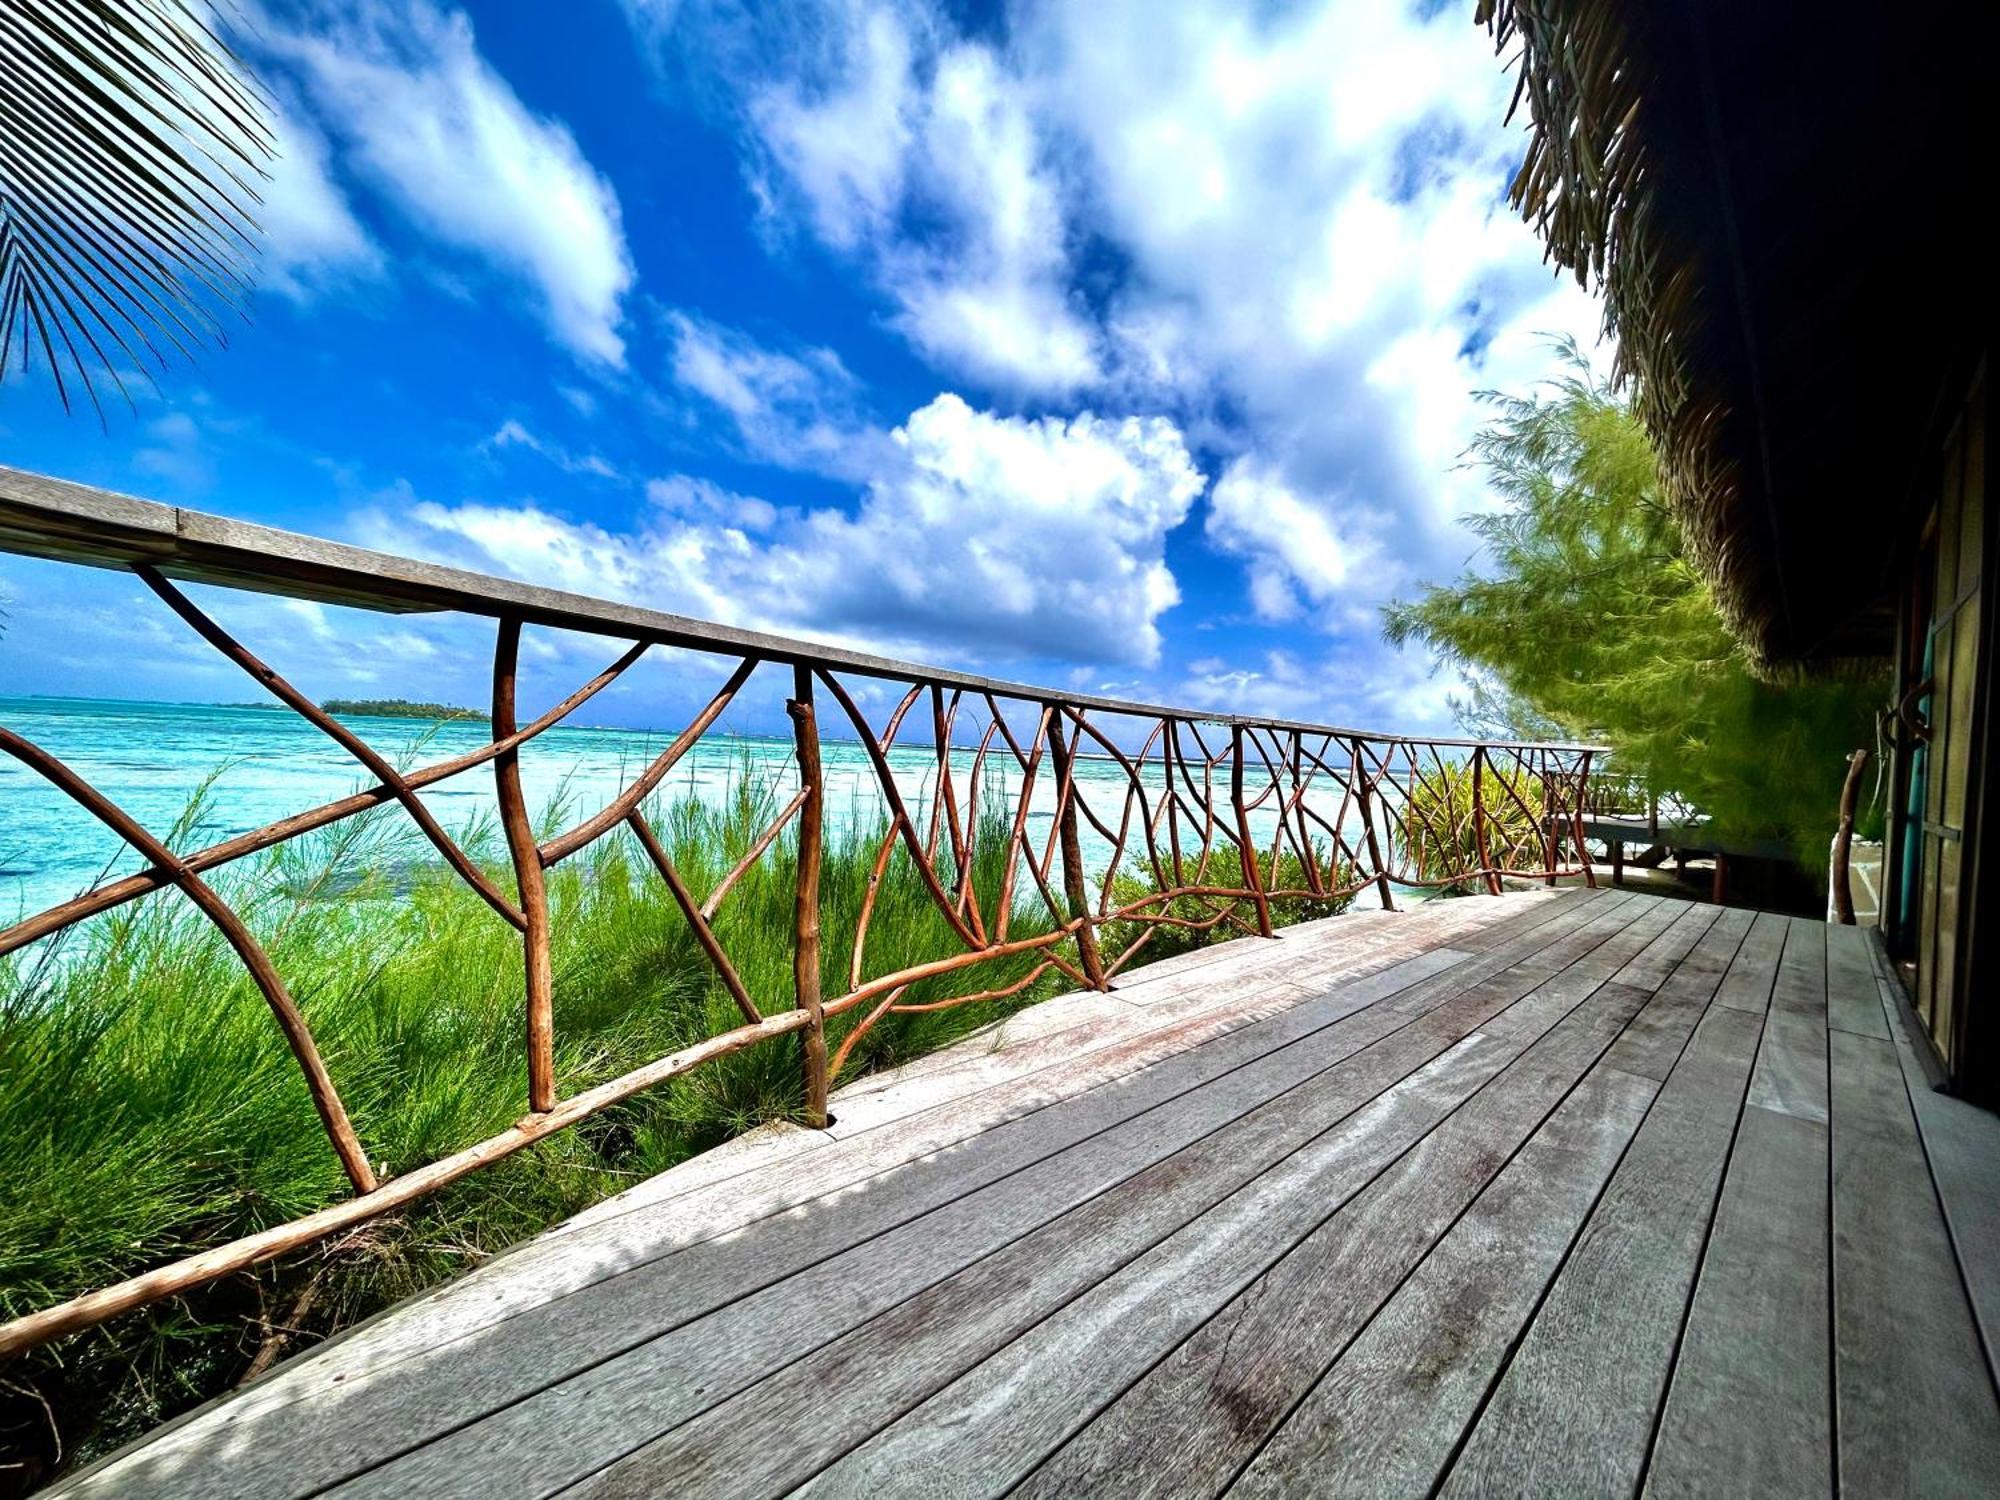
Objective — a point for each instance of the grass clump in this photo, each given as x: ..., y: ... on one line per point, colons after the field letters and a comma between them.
x: 1439, y: 836
x: 149, y: 1108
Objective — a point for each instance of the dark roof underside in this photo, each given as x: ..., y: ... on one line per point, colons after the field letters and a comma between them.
x: 1785, y: 207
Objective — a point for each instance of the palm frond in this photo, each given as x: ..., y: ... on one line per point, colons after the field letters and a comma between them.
x: 131, y: 147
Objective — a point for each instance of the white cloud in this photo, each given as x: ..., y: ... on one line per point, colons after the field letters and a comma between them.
x: 684, y: 495
x: 175, y: 454
x: 845, y: 145
x: 1312, y: 200
x: 799, y: 411
x: 312, y: 239
x: 990, y: 537
x: 1363, y: 682
x: 512, y: 434
x: 432, y: 126
x: 1292, y: 543
x: 1283, y: 225
x: 903, y: 128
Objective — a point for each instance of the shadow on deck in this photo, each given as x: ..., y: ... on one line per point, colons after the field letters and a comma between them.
x: 1563, y: 1193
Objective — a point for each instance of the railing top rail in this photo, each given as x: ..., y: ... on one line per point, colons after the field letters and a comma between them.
x: 41, y: 516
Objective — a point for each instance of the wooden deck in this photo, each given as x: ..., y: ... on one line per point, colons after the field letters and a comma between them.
x: 1563, y: 1193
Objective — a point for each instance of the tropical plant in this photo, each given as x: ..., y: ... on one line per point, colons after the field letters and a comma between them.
x: 1439, y: 836
x: 1585, y: 619
x: 130, y: 149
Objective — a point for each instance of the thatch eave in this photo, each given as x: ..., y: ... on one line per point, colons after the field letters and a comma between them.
x: 1776, y: 205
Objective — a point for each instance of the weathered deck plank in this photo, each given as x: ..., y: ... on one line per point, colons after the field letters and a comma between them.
x: 1517, y: 1196
x: 1574, y: 1412
x: 1750, y: 1408
x: 1166, y: 1165
x: 1201, y: 1414
x: 1751, y: 977
x: 1050, y: 1381
x: 364, y: 1405
x: 1387, y: 1417
x: 1851, y: 997
x: 1914, y: 1400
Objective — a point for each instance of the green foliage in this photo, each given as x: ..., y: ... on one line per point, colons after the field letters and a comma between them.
x: 397, y: 708
x: 1440, y: 836
x: 1207, y: 913
x: 129, y: 193
x: 149, y: 1109
x: 1586, y: 620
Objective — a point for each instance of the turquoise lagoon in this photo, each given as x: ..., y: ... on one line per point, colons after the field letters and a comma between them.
x: 152, y: 758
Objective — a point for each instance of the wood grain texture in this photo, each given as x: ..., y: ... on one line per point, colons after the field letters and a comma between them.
x: 1853, y: 1003
x: 1755, y: 970
x: 1750, y: 1409
x: 639, y: 1287
x: 1548, y: 1197
x: 1201, y: 1414
x: 1653, y: 1043
x: 325, y: 1400
x: 1914, y: 1399
x: 1800, y: 988
x: 926, y: 1340
x: 1574, y: 1412
x: 1001, y: 1418
x: 1197, y: 1145
x: 1791, y: 1061
x: 1386, y: 1418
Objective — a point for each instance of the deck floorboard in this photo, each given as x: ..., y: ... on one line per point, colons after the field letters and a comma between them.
x: 1565, y: 1192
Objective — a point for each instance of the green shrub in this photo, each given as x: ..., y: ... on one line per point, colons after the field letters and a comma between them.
x: 1436, y: 833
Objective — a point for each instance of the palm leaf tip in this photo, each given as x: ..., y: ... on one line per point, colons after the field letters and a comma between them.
x: 130, y: 148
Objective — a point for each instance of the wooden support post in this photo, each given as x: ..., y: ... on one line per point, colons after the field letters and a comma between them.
x: 1550, y: 824
x: 1843, y: 841
x: 1365, y: 802
x: 1576, y: 823
x: 1479, y: 835
x: 1074, y: 892
x: 530, y: 878
x: 1253, y: 878
x: 1617, y: 861
x: 805, y: 951
x: 1719, y: 890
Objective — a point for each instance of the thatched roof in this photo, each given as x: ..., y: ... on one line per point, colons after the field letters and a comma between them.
x: 1778, y: 203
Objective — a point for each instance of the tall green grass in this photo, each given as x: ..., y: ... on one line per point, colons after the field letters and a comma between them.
x: 149, y: 1109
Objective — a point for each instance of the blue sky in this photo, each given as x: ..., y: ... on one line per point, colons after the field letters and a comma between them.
x: 1127, y: 347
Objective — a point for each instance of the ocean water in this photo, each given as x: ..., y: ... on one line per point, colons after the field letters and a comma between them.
x: 152, y: 759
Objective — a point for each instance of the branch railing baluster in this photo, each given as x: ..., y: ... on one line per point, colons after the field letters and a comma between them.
x: 1357, y: 810
x: 806, y: 998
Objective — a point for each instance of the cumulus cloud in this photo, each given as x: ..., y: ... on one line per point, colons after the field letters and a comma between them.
x: 1284, y: 226
x: 1312, y: 200
x: 1377, y: 686
x: 443, y: 137
x: 921, y: 153
x: 1297, y: 553
x: 990, y: 537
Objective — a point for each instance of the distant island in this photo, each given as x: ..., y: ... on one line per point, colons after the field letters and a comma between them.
x: 397, y: 708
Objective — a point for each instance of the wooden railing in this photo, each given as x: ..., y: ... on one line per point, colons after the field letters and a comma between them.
x: 1218, y: 817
